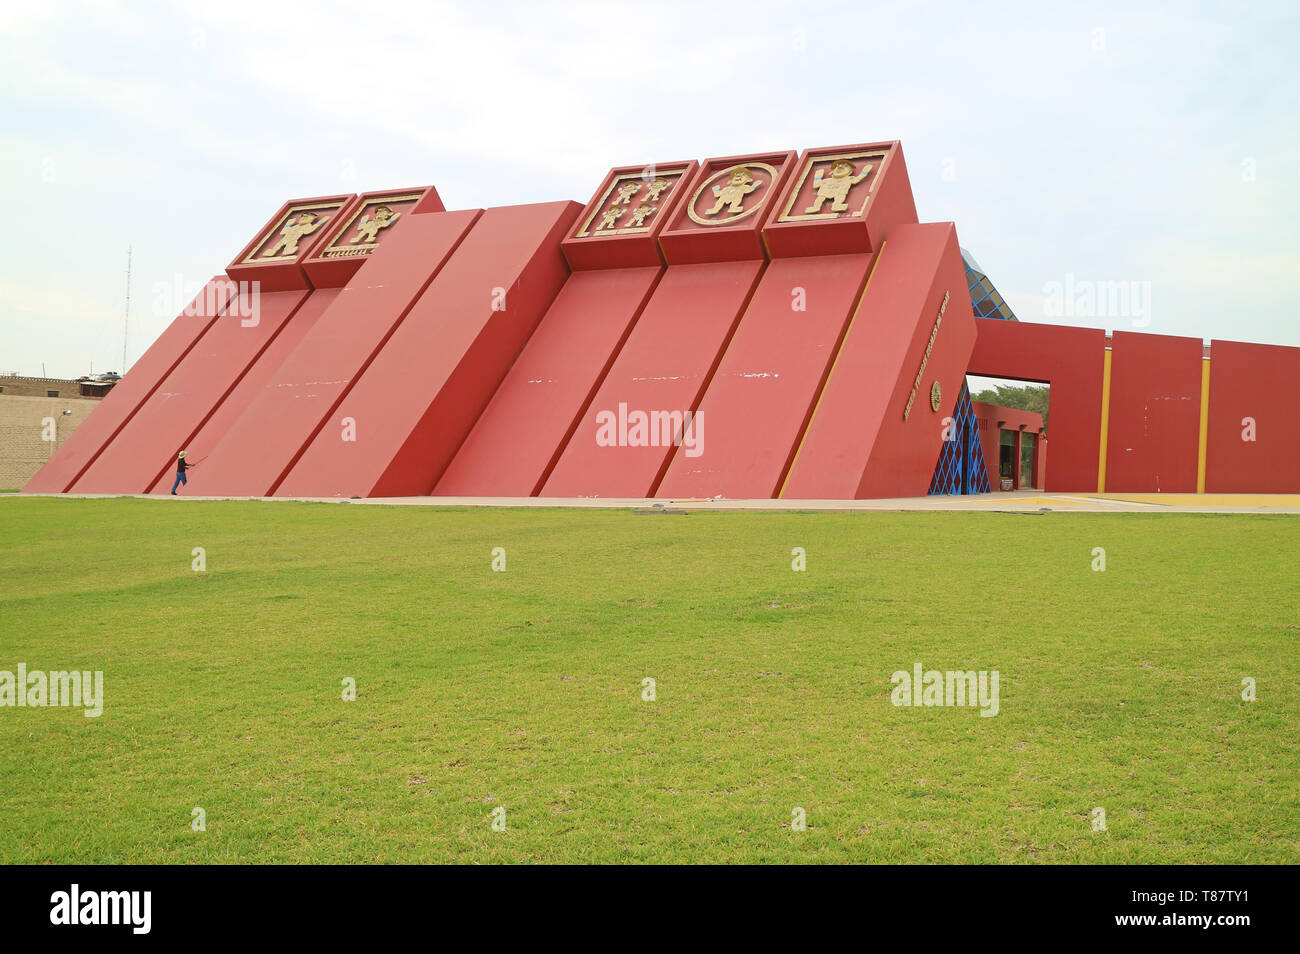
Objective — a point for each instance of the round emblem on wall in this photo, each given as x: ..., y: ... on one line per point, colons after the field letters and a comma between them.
x: 731, y: 194
x: 936, y: 397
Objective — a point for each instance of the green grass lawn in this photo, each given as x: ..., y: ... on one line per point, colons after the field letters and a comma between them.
x: 523, y: 689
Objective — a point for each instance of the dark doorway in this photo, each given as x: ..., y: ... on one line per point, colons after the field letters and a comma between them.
x: 1007, y: 456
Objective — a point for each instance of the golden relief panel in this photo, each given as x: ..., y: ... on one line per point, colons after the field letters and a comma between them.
x: 282, y: 242
x: 832, y: 187
x: 628, y: 205
x: 362, y: 232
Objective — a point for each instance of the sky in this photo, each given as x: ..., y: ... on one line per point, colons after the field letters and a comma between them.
x: 1116, y: 165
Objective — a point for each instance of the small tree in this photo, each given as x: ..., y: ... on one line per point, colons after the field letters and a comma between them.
x: 1028, y: 398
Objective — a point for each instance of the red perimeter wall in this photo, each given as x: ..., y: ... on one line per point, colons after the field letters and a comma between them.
x: 1072, y: 361
x: 1155, y: 401
x: 1255, y: 381
x: 1155, y: 413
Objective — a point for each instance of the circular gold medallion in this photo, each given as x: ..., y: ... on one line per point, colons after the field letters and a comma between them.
x: 736, y: 192
x: 936, y: 397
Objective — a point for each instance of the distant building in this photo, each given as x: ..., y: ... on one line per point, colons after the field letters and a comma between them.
x: 37, y: 415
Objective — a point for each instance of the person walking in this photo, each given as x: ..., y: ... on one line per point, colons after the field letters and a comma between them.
x: 181, y: 466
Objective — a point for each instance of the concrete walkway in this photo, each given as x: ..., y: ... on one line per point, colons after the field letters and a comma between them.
x: 1026, y: 501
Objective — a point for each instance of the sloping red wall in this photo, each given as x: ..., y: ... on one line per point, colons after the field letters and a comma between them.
x: 1253, y: 381
x: 201, y: 444
x: 300, y: 397
x: 665, y: 366
x: 858, y: 443
x: 416, y: 402
x: 523, y: 430
x: 128, y: 395
x: 188, y: 396
x: 760, y: 399
x: 1072, y: 361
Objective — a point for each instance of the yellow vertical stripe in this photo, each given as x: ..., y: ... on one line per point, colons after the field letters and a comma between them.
x: 834, y: 361
x: 1203, y: 440
x: 1105, y: 424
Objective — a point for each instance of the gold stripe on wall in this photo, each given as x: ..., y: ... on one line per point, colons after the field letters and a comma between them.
x: 829, y: 374
x: 1105, y: 424
x: 1203, y: 440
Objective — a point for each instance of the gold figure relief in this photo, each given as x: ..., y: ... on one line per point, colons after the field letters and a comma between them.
x: 835, y: 181
x: 656, y: 189
x: 738, y: 191
x: 361, y: 233
x: 628, y: 203
x: 740, y: 183
x: 835, y: 188
x: 610, y: 216
x: 298, y: 227
x: 368, y: 228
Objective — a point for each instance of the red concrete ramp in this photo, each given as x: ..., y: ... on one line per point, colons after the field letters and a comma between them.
x: 614, y: 251
x: 279, y: 423
x: 661, y: 371
x: 112, y: 414
x: 201, y: 444
x: 398, y: 428
x: 823, y: 231
x: 875, y: 431
x: 528, y: 422
x: 187, y: 398
x: 762, y: 395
